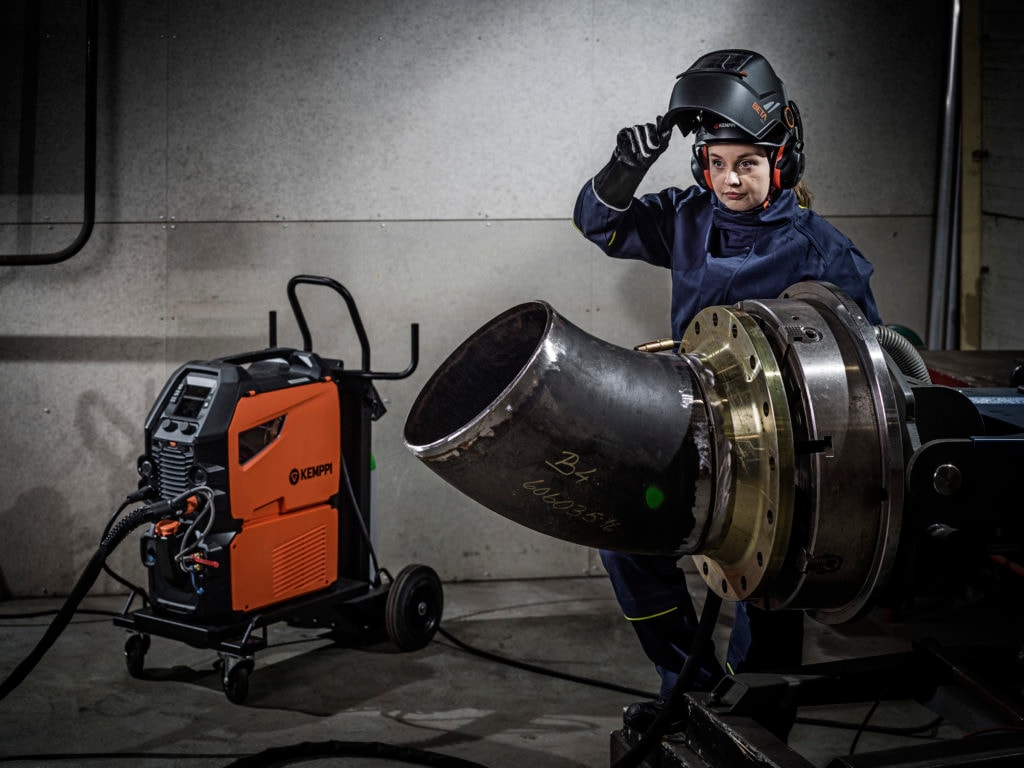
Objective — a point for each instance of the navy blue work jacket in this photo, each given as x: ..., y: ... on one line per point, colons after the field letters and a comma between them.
x: 720, y: 257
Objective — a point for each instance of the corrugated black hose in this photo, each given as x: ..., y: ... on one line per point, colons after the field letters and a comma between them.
x: 113, y: 537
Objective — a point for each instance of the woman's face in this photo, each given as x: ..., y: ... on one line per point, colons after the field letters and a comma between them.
x: 740, y: 175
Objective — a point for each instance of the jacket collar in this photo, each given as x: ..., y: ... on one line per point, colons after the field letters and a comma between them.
x: 781, y: 211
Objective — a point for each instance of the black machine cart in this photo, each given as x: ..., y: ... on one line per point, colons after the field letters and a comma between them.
x: 271, y: 450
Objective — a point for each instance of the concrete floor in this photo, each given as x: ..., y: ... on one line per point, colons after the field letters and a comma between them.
x: 81, y: 707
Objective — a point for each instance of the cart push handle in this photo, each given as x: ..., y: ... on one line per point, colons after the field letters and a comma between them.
x: 364, y: 343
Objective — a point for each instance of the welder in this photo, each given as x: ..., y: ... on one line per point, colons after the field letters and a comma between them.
x: 743, y: 230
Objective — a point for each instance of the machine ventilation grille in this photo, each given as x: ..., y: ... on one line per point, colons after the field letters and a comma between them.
x: 300, y: 564
x: 172, y: 466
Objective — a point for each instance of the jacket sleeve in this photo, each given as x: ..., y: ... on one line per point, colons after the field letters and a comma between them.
x: 857, y: 271
x: 852, y: 272
x: 644, y: 230
x: 843, y: 263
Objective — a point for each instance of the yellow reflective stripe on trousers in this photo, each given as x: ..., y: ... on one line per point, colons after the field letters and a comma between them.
x: 652, y: 616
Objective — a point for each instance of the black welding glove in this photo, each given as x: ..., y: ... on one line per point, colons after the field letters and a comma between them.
x: 636, y: 149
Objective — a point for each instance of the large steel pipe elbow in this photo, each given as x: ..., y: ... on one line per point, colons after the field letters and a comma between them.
x: 571, y: 436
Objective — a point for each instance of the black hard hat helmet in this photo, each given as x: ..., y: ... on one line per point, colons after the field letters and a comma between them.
x: 739, y: 87
x: 734, y: 95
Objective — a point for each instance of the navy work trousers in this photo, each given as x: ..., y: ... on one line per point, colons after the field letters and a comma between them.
x: 651, y: 591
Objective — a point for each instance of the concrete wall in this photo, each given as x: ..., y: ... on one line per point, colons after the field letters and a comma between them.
x: 427, y: 155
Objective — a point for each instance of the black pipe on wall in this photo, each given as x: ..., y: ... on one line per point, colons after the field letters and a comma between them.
x: 29, y: 128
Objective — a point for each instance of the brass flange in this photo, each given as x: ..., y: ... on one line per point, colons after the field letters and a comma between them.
x: 742, y: 383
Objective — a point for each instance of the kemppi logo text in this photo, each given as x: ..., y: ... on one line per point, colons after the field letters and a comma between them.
x: 297, y: 475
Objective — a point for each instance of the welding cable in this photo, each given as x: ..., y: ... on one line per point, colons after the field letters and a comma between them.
x: 52, y: 611
x: 134, y: 589
x: 688, y: 674
x: 884, y: 694
x: 373, y: 749
x: 928, y: 729
x: 541, y: 670
x: 111, y: 539
x: 77, y: 758
x: 377, y: 570
x: 910, y: 730
x: 186, y: 550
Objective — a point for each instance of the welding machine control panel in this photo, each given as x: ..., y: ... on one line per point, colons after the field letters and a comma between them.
x: 188, y: 406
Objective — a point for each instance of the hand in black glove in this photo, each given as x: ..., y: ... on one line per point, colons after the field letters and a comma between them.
x: 640, y: 145
x: 637, y: 147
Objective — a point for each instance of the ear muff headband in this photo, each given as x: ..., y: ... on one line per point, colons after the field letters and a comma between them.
x: 789, y: 162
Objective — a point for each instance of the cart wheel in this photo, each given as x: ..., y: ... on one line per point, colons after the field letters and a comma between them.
x: 135, y: 648
x: 413, y: 609
x: 236, y: 681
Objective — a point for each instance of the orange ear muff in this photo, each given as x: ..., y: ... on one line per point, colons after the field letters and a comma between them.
x: 777, y: 168
x: 707, y: 169
x: 789, y: 166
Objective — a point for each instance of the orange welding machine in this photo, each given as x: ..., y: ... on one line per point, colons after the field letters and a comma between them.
x: 264, y: 460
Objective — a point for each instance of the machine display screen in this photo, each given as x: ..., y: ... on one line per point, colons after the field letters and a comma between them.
x: 192, y: 399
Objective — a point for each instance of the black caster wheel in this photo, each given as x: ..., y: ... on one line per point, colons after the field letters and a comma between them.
x: 135, y: 648
x: 412, y: 613
x: 236, y: 680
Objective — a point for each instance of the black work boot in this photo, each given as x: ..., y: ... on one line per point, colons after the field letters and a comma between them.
x: 641, y: 715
